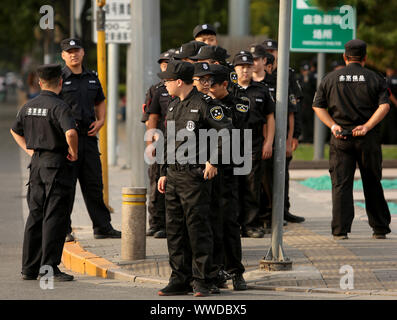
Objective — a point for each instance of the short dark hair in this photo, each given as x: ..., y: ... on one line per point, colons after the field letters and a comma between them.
x: 190, y: 81
x: 355, y: 58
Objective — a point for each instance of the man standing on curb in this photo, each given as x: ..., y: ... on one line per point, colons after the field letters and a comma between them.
x: 46, y: 131
x: 187, y: 193
x: 352, y: 101
x: 83, y: 92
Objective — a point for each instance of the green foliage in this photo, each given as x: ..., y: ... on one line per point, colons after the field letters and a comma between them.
x: 180, y: 17
x: 264, y: 18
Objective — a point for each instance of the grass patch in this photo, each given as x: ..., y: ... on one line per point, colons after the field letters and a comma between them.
x: 305, y: 152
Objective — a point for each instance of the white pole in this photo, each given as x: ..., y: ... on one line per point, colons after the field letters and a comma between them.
x: 113, y: 99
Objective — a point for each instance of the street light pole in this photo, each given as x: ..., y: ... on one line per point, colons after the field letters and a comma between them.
x: 276, y: 260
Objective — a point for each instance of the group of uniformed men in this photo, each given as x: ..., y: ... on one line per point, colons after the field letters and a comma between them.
x: 201, y: 208
x: 204, y: 208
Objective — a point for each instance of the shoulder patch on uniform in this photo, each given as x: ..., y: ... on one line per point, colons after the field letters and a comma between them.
x: 217, y: 113
x: 233, y: 77
x: 242, y: 107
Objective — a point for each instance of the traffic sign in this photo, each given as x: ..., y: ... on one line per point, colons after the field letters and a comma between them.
x: 313, y: 30
x: 118, y: 21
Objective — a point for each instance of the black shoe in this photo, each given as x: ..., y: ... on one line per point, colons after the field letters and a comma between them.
x: 200, y: 289
x: 114, y: 234
x: 342, y: 236
x: 379, y: 236
x: 289, y: 217
x: 62, y: 277
x: 239, y: 283
x: 160, y: 234
x: 214, y: 289
x: 59, y: 276
x: 174, y: 289
x: 69, y: 237
x: 29, y: 276
x: 253, y: 233
x: 151, y: 232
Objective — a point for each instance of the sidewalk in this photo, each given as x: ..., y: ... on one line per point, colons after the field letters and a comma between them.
x: 316, y: 257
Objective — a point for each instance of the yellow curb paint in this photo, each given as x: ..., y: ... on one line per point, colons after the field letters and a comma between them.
x: 134, y: 203
x: 75, y: 258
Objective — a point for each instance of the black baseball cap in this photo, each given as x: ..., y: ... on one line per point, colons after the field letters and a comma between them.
x: 71, y: 43
x: 167, y: 55
x: 203, y: 28
x: 49, y: 71
x: 189, y: 49
x: 355, y: 48
x: 177, y: 70
x: 243, y: 57
x: 257, y: 50
x: 211, y: 52
x: 201, y: 69
x: 270, y: 44
x: 220, y: 73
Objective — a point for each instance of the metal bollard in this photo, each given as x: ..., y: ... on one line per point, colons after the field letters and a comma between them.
x: 133, y: 224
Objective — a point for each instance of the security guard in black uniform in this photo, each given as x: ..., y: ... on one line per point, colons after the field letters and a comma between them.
x: 83, y: 92
x: 187, y: 194
x: 45, y: 129
x: 154, y: 115
x: 230, y: 252
x: 261, y: 122
x: 352, y: 101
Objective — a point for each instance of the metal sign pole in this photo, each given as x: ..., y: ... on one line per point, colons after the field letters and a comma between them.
x: 320, y: 130
x: 275, y: 258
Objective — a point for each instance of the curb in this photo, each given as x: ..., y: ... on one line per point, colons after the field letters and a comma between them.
x: 78, y: 260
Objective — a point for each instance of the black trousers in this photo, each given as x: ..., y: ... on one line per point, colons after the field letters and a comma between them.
x: 344, y: 155
x: 49, y: 195
x: 249, y: 190
x: 231, y: 228
x: 189, y: 234
x: 156, y: 200
x: 88, y: 170
x: 267, y: 189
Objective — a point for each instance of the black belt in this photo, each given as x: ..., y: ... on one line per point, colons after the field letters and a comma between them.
x: 185, y: 167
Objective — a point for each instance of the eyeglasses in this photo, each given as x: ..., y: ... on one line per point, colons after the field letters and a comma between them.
x: 204, y: 81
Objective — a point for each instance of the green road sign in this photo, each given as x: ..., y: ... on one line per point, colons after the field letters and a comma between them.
x: 313, y: 30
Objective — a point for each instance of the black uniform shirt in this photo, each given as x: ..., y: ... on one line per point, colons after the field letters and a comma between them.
x: 82, y: 92
x: 43, y: 122
x: 156, y: 102
x: 351, y: 94
x: 192, y: 114
x: 238, y: 109
x: 261, y: 104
